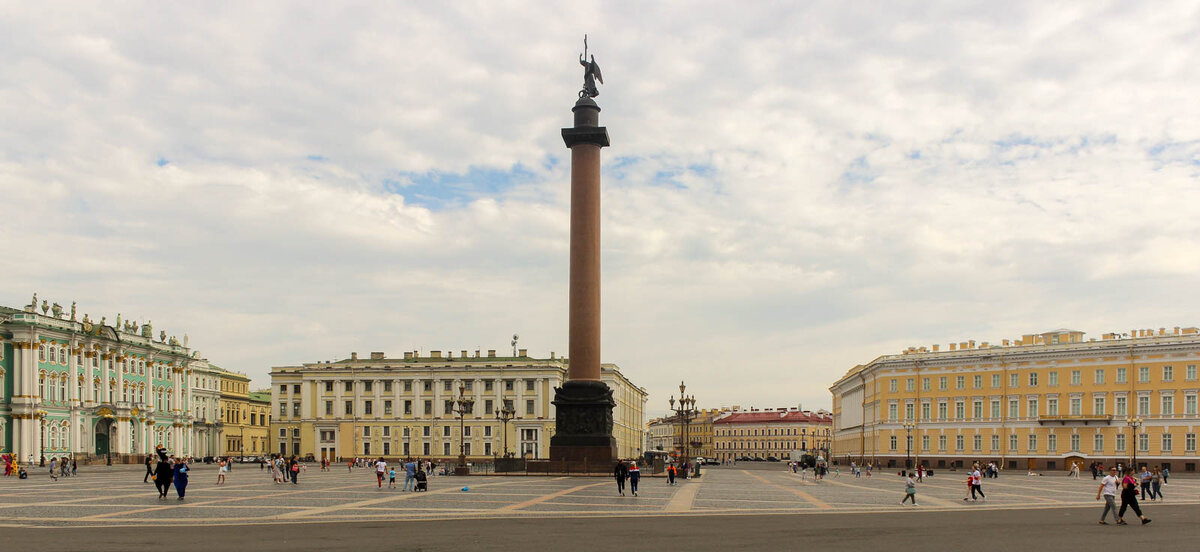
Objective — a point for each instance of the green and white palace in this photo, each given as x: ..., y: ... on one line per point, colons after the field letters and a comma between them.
x: 95, y: 390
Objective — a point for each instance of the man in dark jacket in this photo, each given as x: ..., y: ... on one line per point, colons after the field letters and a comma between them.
x: 163, y: 473
x: 149, y: 471
x: 620, y: 472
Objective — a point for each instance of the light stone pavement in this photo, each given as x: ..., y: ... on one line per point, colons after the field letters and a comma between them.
x: 116, y: 496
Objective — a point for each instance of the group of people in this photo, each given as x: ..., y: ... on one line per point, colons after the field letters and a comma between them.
x: 1128, y: 486
x: 858, y: 470
x: 59, y: 467
x: 169, y: 470
x: 630, y: 471
x: 284, y: 470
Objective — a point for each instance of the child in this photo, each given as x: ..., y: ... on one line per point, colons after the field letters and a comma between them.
x: 392, y: 478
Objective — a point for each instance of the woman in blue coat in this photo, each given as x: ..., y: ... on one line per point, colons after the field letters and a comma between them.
x: 181, y: 477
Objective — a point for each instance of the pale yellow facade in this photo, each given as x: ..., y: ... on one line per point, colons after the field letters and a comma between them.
x: 1043, y: 401
x: 245, y: 419
x: 781, y: 433
x: 404, y: 407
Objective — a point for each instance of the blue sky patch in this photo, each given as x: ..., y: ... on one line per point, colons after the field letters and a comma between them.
x: 440, y: 190
x: 162, y: 162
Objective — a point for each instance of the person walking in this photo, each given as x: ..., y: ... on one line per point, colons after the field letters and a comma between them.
x: 74, y: 467
x: 1156, y: 484
x: 392, y: 478
x: 921, y: 473
x: 1129, y: 489
x: 1145, y: 479
x: 53, y: 465
x: 181, y: 477
x: 221, y: 472
x: 380, y: 470
x: 910, y: 490
x: 1108, y: 491
x: 295, y: 471
x: 163, y: 472
x: 977, y: 484
x: 410, y: 474
x: 620, y: 472
x: 1166, y: 473
x: 149, y: 472
x: 670, y: 474
x: 635, y: 475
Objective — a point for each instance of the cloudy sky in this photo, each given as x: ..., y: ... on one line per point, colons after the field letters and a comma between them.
x: 791, y: 189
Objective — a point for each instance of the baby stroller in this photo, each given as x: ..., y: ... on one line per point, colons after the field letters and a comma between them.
x: 422, y: 481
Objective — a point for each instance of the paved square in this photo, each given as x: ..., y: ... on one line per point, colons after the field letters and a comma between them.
x: 116, y: 496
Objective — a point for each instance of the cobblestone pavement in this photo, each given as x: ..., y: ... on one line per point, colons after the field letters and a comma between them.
x: 116, y: 496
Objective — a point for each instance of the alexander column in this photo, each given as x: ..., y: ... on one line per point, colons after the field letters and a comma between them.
x: 584, y: 403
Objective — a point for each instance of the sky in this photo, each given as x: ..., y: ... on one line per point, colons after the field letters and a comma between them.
x: 792, y: 188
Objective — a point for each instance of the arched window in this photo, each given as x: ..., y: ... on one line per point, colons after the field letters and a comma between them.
x: 42, y: 353
x: 53, y: 356
x: 95, y: 390
x: 62, y: 355
x: 62, y: 388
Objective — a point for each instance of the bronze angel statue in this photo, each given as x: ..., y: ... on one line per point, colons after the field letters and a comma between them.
x: 591, y: 73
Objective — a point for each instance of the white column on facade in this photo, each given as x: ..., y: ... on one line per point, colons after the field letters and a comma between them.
x: 477, y: 394
x: 437, y: 398
x: 120, y: 374
x: 539, y: 393
x: 306, y: 399
x: 519, y: 404
x: 418, y: 389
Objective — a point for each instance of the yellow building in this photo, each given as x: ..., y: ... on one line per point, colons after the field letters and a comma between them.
x: 404, y: 407
x: 1044, y: 401
x: 699, y: 434
x: 244, y: 420
x: 782, y: 433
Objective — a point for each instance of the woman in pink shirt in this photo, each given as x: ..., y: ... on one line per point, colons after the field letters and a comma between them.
x: 1129, y: 489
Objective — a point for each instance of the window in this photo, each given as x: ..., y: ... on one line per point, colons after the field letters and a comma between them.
x: 1099, y: 377
x: 349, y: 387
x: 892, y: 441
x: 1033, y: 379
x: 427, y: 386
x: 349, y: 408
x: 448, y: 408
x: 1144, y: 374
x: 942, y: 383
x: 508, y: 385
x: 387, y: 386
x: 1168, y: 405
x: 445, y: 431
x: 909, y: 411
x: 387, y: 408
x: 428, y: 408
x: 1191, y: 372
x: 387, y: 431
x: 995, y: 409
x: 329, y: 387
x: 1014, y: 380
x: 1076, y: 406
x: 1032, y: 442
x: 367, y: 386
x: 893, y: 411
x: 446, y: 449
x: 296, y: 389
x: 1075, y: 442
x: 1167, y: 442
x: 924, y: 411
x: 958, y: 442
x: 425, y: 431
x: 367, y: 408
x: 407, y: 386
x: 979, y: 382
x: 960, y: 410
x: 488, y: 405
x: 529, y: 385
x: 977, y: 410
x: 1119, y: 443
x: 529, y: 407
x: 941, y: 411
x: 1098, y: 443
x: 425, y: 447
x: 296, y: 409
x: 1189, y: 405
x: 466, y: 431
x: 487, y: 385
x: 282, y: 433
x: 1189, y: 442
x: 1032, y: 408
x: 1076, y: 377
x: 487, y: 449
x: 283, y: 409
x: 446, y: 385
x: 1121, y: 375
x: 924, y: 442
x: 942, y: 443
x: 366, y: 448
x: 1144, y: 442
x: 1098, y: 406
x: 1144, y: 405
x: 977, y: 442
x: 924, y: 384
x: 893, y: 385
x: 1012, y: 442
x: 1052, y: 443
x: 407, y: 408
x: 995, y: 381
x: 1014, y: 408
x: 1168, y: 373
x: 1052, y: 407
x: 960, y: 382
x: 487, y: 431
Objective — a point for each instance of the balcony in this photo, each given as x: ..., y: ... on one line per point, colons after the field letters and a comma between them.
x: 1084, y: 419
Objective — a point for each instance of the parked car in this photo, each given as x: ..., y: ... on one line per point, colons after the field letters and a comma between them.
x: 772, y: 459
x: 757, y: 459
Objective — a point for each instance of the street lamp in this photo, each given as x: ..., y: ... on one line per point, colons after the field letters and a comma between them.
x: 463, y: 405
x: 1135, y: 423
x: 504, y: 414
x: 41, y: 415
x: 685, y: 413
x: 908, y: 428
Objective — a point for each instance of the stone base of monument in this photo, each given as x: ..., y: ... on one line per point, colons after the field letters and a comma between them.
x: 583, y: 440
x: 462, y: 470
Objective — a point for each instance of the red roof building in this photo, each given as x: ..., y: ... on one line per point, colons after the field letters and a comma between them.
x: 782, y: 434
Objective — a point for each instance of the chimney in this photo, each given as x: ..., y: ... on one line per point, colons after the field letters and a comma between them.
x: 552, y: 352
x: 435, y: 354
x: 1176, y: 330
x: 408, y: 355
x: 476, y: 353
x: 450, y: 354
x: 464, y: 353
x: 353, y: 356
x: 971, y: 343
x: 953, y: 346
x: 376, y: 356
x: 1004, y: 342
x: 491, y: 353
x: 522, y: 352
x: 983, y: 345
x: 935, y: 348
x: 1162, y: 331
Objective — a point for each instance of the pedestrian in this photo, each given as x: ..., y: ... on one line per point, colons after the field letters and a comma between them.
x: 1108, y: 491
x: 163, y: 472
x: 410, y: 474
x: 978, y: 484
x: 221, y: 468
x: 380, y: 470
x: 910, y: 490
x: 149, y: 472
x: 74, y: 467
x: 181, y: 477
x: 1145, y: 479
x: 670, y: 474
x: 1129, y: 489
x: 921, y: 473
x: 1166, y: 473
x: 635, y: 475
x: 1156, y: 484
x: 53, y: 465
x: 295, y: 470
x: 620, y: 472
x: 392, y: 478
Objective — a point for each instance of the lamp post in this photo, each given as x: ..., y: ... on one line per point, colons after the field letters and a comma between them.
x: 41, y: 415
x: 685, y: 413
x: 504, y: 414
x: 1135, y: 423
x: 463, y: 405
x: 908, y: 428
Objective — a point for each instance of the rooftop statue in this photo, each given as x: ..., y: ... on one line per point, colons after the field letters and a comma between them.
x: 45, y: 306
x: 32, y: 307
x: 57, y: 310
x: 591, y: 73
x: 72, y: 311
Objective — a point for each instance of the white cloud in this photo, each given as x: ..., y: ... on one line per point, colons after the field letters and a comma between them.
x: 790, y: 190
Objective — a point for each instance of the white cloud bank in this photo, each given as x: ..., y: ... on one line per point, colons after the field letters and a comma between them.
x: 790, y: 190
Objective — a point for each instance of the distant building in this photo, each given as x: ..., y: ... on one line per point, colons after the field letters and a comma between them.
x: 1043, y: 401
x: 779, y: 433
x: 404, y: 407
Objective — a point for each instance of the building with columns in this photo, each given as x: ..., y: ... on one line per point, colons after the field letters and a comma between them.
x: 404, y: 407
x: 244, y: 416
x: 89, y: 389
x: 1041, y: 401
x: 781, y: 433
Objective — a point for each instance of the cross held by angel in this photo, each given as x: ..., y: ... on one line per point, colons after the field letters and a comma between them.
x: 591, y: 73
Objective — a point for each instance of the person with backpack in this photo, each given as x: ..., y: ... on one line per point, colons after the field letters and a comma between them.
x: 671, y: 474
